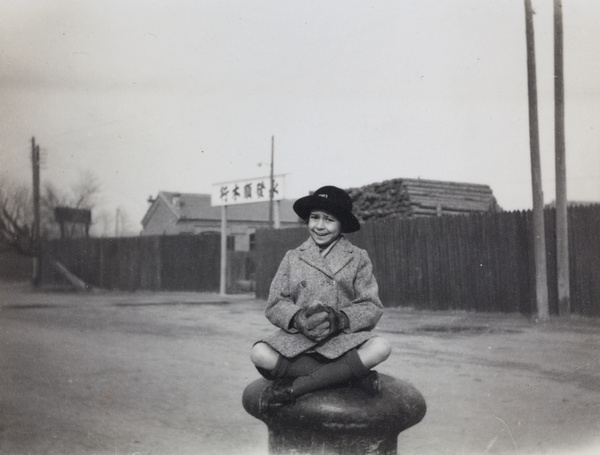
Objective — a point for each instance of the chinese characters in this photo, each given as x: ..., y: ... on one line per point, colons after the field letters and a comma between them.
x: 257, y: 190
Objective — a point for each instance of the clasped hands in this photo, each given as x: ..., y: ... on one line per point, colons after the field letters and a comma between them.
x: 318, y: 321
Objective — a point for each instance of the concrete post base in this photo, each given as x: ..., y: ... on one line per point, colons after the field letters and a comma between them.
x: 342, y: 420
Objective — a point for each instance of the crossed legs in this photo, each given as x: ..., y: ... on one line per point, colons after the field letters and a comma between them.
x: 371, y: 353
x: 308, y: 373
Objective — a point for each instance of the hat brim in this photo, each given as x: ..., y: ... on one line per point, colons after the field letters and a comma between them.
x: 307, y: 204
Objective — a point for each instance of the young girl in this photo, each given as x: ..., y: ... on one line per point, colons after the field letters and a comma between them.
x: 324, y: 299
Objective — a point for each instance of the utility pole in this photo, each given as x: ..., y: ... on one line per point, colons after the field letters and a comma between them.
x: 272, y: 189
x: 223, y: 267
x: 541, y: 278
x: 562, y: 232
x: 35, y: 164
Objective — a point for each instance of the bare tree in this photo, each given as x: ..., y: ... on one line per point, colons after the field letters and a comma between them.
x: 104, y: 222
x: 85, y: 192
x: 82, y: 195
x: 16, y: 218
x: 16, y: 210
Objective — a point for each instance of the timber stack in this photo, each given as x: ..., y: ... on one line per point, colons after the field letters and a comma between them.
x: 411, y: 198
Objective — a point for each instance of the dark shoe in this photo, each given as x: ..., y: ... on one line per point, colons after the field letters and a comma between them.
x: 275, y: 396
x: 371, y: 383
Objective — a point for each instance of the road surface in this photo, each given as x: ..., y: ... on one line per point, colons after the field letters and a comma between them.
x: 163, y: 373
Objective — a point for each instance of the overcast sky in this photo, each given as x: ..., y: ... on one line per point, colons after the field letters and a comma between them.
x: 177, y: 95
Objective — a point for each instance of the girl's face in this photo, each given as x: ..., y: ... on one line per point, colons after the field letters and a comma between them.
x: 324, y: 228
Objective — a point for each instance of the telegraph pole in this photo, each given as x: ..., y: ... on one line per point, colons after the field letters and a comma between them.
x: 117, y: 216
x: 562, y: 232
x: 272, y: 184
x: 541, y: 278
x: 223, y: 267
x: 35, y: 164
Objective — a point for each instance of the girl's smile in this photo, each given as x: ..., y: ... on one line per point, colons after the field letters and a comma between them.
x: 324, y: 228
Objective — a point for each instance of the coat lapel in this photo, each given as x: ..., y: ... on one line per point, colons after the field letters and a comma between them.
x: 309, y: 253
x: 339, y: 256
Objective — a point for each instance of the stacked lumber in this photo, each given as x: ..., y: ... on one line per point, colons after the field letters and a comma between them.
x: 406, y: 198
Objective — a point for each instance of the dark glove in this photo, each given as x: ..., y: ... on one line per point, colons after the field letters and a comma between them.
x: 338, y: 321
x: 318, y: 321
x: 312, y: 321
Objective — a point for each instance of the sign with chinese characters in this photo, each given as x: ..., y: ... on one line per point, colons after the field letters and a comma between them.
x: 246, y: 191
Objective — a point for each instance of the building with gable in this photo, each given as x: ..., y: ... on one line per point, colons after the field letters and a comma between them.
x: 172, y: 213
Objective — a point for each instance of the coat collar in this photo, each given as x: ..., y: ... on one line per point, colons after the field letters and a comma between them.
x: 339, y: 256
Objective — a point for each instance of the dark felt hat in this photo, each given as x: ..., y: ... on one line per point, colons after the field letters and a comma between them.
x: 330, y: 199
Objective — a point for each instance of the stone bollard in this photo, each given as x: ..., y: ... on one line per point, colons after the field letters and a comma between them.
x: 343, y: 420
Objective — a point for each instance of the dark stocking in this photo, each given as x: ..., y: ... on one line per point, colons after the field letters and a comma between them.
x: 301, y: 365
x: 342, y: 369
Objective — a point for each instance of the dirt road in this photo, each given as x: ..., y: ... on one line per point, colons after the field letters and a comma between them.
x: 143, y: 373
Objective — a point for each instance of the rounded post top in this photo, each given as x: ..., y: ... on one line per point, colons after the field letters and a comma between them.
x: 345, y: 409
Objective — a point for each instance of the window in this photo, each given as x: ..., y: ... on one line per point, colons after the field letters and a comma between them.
x: 230, y: 243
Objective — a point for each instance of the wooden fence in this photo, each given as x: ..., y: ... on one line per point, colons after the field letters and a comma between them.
x: 182, y: 262
x: 14, y: 266
x: 480, y: 262
x: 171, y: 263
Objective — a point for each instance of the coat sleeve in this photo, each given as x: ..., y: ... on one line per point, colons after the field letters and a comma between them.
x: 280, y: 306
x: 366, y: 308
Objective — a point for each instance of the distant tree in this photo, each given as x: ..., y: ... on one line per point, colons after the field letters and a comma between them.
x: 124, y: 224
x: 82, y: 195
x: 16, y: 218
x: 16, y: 210
x: 104, y: 222
x: 113, y: 223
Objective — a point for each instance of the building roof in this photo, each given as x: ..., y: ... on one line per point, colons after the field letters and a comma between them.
x: 417, y: 197
x: 197, y: 207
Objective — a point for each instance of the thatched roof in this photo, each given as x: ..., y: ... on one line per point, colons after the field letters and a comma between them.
x: 405, y: 198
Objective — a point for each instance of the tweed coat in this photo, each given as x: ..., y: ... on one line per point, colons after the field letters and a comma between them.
x: 343, y: 280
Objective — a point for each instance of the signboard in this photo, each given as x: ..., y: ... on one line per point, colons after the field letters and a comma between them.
x: 71, y: 215
x: 246, y: 191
